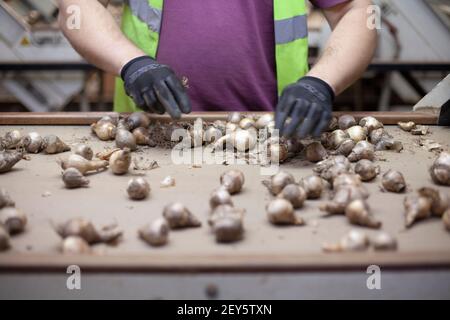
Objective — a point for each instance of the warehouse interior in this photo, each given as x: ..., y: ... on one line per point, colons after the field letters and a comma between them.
x: 390, y: 125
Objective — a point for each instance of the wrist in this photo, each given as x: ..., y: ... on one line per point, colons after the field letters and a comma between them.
x: 322, y: 86
x: 134, y: 64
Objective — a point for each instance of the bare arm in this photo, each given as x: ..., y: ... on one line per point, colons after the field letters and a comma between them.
x: 99, y: 40
x: 350, y: 47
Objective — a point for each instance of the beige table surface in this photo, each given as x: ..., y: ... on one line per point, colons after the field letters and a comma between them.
x: 37, y: 188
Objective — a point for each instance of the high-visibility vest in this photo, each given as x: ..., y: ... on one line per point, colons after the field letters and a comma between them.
x: 141, y: 23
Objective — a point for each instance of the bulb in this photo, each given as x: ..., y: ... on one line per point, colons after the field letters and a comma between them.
x: 279, y: 181
x: 85, y: 229
x: 357, y: 133
x: 84, y: 151
x: 313, y: 186
x: 156, y: 233
x: 342, y: 198
x: 295, y: 194
x: 125, y: 139
x: 370, y: 123
x: 167, y: 182
x: 234, y: 117
x: 358, y: 212
x: 104, y: 130
x: 120, y: 161
x: 13, y: 220
x: 345, y: 148
x: 219, y: 197
x: 384, y: 241
x: 212, y: 134
x: 243, y: 140
x: 9, y: 159
x: 393, y: 181
x: 142, y: 137
x: 264, y: 120
x: 406, y: 126
x: 346, y: 121
x: 277, y: 153
x: 362, y: 150
x: 336, y: 138
x: 52, y: 145
x: 11, y: 140
x: 440, y: 170
x: 315, y: 152
x: 281, y: 212
x: 232, y: 181
x: 367, y: 170
x: 178, y: 216
x: 228, y: 229
x: 440, y: 201
x: 32, y: 142
x: 416, y: 208
x: 74, y: 245
x: 246, y: 123
x: 73, y: 178
x: 138, y: 188
x: 354, y: 240
x: 138, y: 119
x: 83, y: 165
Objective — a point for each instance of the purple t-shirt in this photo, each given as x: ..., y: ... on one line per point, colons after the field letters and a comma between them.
x: 225, y: 49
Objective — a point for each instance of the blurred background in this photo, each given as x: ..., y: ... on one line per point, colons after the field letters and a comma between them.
x: 39, y: 71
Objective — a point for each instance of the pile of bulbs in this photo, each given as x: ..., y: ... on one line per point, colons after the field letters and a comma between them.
x: 12, y: 220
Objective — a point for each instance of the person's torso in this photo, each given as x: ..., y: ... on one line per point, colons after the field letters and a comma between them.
x: 225, y: 49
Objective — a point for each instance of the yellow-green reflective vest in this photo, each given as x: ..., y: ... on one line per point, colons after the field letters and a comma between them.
x: 141, y: 23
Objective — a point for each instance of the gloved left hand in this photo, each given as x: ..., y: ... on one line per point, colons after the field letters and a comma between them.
x: 308, y: 105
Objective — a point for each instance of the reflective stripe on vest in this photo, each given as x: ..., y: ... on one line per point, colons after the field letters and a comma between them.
x: 141, y: 23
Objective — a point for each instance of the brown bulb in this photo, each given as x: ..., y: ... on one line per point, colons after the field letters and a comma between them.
x: 53, y: 145
x: 440, y: 201
x: 279, y: 181
x: 73, y: 178
x: 9, y: 159
x: 313, y: 186
x: 11, y: 140
x: 346, y: 121
x: 416, y: 208
x: 370, y: 123
x: 446, y: 219
x: 354, y: 240
x: 384, y: 241
x: 138, y: 119
x: 362, y: 150
x: 393, y: 181
x: 295, y: 194
x: 315, y: 152
x: 367, y: 170
x: 125, y: 139
x: 228, y: 229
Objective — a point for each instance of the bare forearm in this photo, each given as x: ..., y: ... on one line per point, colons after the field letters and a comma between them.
x: 99, y: 39
x: 350, y: 47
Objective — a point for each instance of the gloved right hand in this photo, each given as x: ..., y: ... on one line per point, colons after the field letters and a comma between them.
x: 155, y: 87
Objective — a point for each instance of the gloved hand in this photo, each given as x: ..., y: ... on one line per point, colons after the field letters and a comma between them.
x: 308, y: 104
x: 155, y: 87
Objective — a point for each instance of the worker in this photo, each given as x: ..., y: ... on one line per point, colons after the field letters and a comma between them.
x: 240, y: 55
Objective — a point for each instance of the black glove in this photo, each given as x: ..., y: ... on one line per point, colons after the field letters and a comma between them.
x: 155, y: 87
x: 308, y: 104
